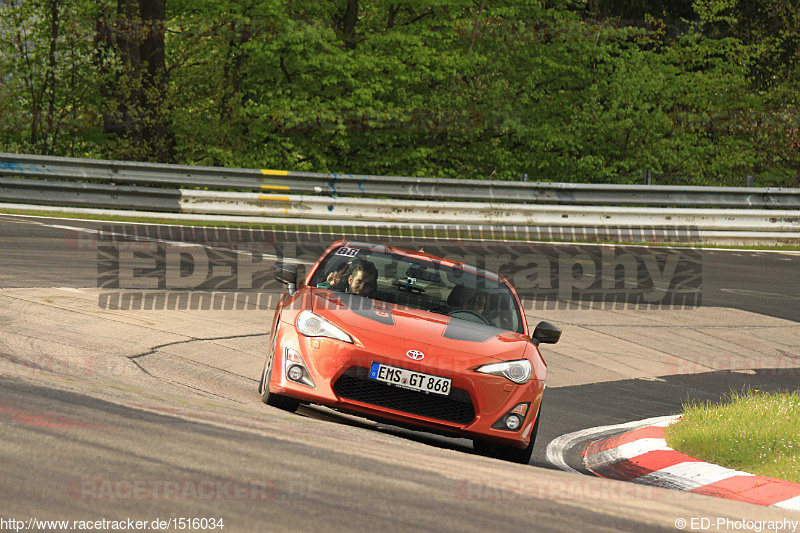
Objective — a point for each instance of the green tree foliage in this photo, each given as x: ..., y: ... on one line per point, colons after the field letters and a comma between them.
x: 771, y: 29
x: 49, y: 91
x: 568, y: 91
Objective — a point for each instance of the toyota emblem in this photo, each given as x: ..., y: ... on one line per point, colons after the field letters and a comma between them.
x: 416, y: 355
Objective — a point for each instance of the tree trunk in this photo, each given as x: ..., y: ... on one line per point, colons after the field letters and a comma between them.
x: 50, y: 79
x: 156, y: 130
x: 142, y: 116
x: 349, y: 24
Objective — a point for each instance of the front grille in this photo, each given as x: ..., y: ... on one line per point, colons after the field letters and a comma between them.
x: 355, y: 385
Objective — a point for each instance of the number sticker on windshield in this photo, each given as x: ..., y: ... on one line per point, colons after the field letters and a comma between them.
x: 347, y: 252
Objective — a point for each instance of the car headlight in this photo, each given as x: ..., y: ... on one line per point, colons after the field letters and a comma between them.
x: 313, y: 325
x: 519, y: 372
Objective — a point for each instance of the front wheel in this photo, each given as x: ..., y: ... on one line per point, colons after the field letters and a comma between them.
x: 270, y: 398
x: 508, y: 453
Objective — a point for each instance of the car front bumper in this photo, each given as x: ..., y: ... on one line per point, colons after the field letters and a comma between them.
x: 338, y: 376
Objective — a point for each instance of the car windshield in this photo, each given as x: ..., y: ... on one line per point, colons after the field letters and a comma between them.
x: 420, y: 284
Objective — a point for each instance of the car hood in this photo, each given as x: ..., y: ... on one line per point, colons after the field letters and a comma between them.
x: 375, y: 323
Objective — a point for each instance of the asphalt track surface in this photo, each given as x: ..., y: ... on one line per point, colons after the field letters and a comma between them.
x: 68, y: 439
x: 40, y: 252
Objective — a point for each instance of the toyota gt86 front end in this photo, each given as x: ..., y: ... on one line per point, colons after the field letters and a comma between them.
x: 413, y: 339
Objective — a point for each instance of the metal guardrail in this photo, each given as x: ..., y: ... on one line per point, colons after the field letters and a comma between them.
x: 474, y: 213
x: 70, y: 194
x: 145, y: 189
x: 346, y: 185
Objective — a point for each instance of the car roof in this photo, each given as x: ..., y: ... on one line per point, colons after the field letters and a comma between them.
x: 424, y: 256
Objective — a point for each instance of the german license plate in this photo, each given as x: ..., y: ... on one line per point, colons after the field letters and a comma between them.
x: 408, y: 379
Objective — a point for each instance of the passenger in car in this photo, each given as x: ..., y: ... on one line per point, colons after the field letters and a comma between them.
x: 362, y: 280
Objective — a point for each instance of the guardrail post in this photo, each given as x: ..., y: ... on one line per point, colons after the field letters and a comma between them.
x: 648, y: 176
x: 750, y: 180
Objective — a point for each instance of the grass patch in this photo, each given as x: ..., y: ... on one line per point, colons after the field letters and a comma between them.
x: 419, y: 232
x: 756, y: 432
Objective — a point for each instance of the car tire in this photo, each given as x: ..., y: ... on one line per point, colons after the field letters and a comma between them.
x: 509, y: 453
x: 270, y: 398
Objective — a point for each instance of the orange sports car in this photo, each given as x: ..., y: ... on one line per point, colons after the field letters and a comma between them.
x: 411, y: 339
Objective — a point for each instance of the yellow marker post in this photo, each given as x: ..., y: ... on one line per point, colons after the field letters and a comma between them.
x: 274, y: 198
x: 284, y: 199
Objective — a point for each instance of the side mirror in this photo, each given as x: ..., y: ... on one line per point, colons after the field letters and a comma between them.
x: 547, y: 333
x: 286, y: 274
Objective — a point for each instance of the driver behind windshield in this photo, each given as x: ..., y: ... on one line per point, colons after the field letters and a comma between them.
x: 462, y: 297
